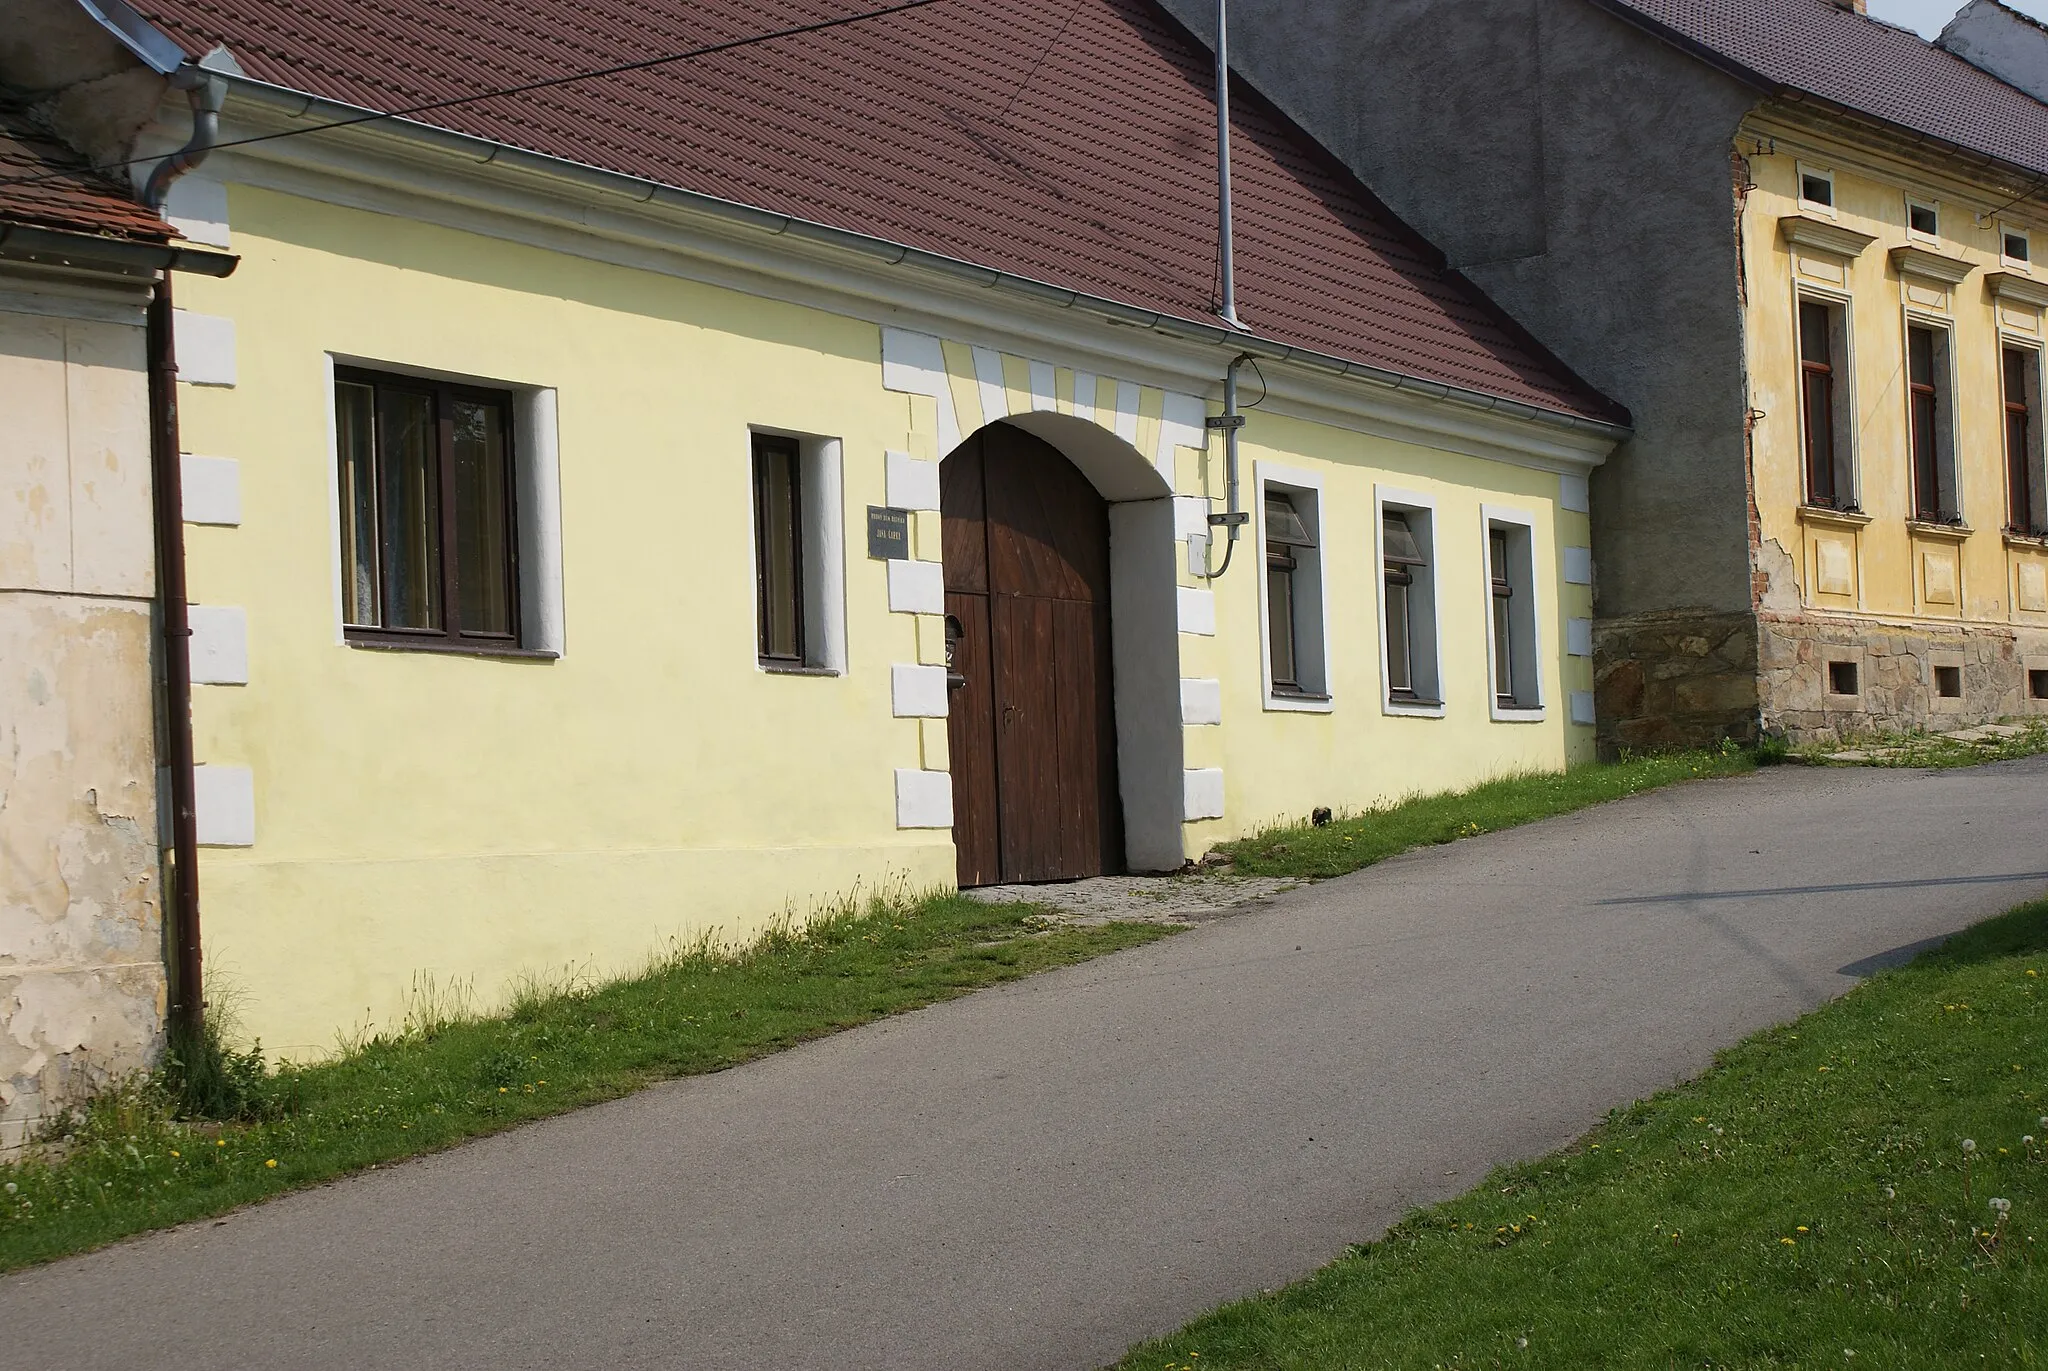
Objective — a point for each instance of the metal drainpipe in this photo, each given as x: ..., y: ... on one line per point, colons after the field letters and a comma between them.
x: 1228, y: 422
x: 188, y: 998
x: 1227, y: 266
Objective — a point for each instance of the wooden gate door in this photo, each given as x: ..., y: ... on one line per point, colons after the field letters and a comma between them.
x: 1032, y: 725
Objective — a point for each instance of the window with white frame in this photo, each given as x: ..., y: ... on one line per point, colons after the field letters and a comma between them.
x: 1930, y: 407
x: 447, y: 535
x: 799, y: 554
x: 1923, y: 219
x: 2015, y: 247
x: 1408, y: 639
x: 1817, y: 189
x: 1512, y: 652
x: 1827, y: 434
x: 1291, y: 538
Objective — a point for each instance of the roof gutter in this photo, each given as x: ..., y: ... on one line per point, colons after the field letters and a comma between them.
x: 54, y: 247
x: 299, y: 104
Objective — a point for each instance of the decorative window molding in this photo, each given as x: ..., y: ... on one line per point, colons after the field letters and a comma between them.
x: 1933, y: 267
x: 2023, y: 289
x: 1513, y: 615
x: 2015, y: 247
x: 1408, y: 601
x: 800, y: 599
x: 1822, y: 235
x: 2026, y: 462
x: 1816, y: 188
x: 1293, y: 589
x: 1923, y: 219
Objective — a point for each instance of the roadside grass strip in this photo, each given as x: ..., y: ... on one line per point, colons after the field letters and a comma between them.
x: 1354, y: 841
x: 2000, y: 742
x: 1866, y: 1187
x: 128, y: 1165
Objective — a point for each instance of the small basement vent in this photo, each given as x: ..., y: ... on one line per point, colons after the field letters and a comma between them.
x: 1842, y: 678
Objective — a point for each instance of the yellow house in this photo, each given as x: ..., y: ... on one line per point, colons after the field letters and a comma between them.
x: 1893, y: 312
x: 645, y: 506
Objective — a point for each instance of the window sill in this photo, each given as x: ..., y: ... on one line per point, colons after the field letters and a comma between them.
x: 1832, y: 518
x: 785, y: 669
x: 2033, y: 542
x: 1417, y: 709
x: 453, y: 647
x: 1947, y: 533
x: 1298, y: 702
x: 1519, y: 714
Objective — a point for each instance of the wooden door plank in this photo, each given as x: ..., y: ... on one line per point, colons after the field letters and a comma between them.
x: 1026, y: 726
x: 971, y: 743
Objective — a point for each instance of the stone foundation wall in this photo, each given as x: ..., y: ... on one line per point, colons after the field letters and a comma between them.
x: 1895, y: 675
x: 1685, y: 678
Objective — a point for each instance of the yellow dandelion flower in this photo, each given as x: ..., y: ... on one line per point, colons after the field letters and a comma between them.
x: 176, y: 1153
x: 272, y: 1163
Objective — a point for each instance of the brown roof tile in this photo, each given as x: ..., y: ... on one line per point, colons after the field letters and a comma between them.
x: 45, y: 184
x: 1072, y: 143
x: 1818, y: 48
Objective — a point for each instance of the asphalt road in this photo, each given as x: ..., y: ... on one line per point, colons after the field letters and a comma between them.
x: 1038, y: 1175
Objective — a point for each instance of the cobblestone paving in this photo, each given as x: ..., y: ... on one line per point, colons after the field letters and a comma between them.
x: 1178, y: 899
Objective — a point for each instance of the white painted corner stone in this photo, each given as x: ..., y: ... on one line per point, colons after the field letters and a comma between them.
x: 197, y: 207
x: 1201, y: 701
x: 1181, y: 423
x: 1127, y: 412
x: 211, y: 489
x: 220, y: 644
x: 206, y: 348
x: 924, y: 799
x: 1578, y: 637
x: 912, y: 482
x: 915, y: 364
x: 1043, y: 390
x: 1197, y: 611
x: 1084, y: 395
x: 917, y: 692
x: 1578, y: 566
x: 1574, y: 493
x: 988, y: 381
x: 917, y: 587
x: 1190, y: 516
x: 225, y: 798
x: 1582, y: 706
x: 1202, y: 792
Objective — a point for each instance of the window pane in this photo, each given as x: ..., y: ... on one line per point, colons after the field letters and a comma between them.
x: 1400, y: 677
x: 1820, y: 438
x: 1503, y: 650
x: 2020, y: 384
x: 1815, y: 345
x: 1280, y: 623
x: 483, y: 517
x: 409, y: 510
x: 777, y: 509
x: 355, y: 427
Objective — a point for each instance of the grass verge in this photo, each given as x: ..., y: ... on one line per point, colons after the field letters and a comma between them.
x: 1938, y: 751
x: 1359, y: 840
x: 130, y: 1165
x: 1809, y: 1202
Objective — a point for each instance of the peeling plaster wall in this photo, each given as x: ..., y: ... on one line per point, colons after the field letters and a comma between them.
x: 81, y: 956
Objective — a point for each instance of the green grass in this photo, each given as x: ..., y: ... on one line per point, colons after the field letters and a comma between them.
x: 1355, y: 841
x: 1920, y: 748
x: 1807, y: 1199
x: 129, y: 1166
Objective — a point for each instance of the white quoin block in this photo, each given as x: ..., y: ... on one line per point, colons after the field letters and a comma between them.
x: 924, y: 799
x: 225, y: 799
x: 1190, y: 516
x: 1578, y: 566
x: 211, y: 488
x: 220, y: 644
x: 1574, y: 493
x: 912, y: 482
x: 917, y: 587
x: 1201, y: 701
x: 1582, y: 706
x: 197, y: 208
x: 206, y: 348
x: 1181, y: 423
x: 1202, y: 792
x: 1197, y: 611
x: 1578, y: 637
x: 917, y: 692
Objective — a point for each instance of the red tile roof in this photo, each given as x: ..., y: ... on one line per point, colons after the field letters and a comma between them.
x: 75, y: 199
x: 1072, y: 143
x: 1818, y: 48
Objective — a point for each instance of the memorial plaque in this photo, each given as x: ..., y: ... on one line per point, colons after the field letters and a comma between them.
x: 888, y: 533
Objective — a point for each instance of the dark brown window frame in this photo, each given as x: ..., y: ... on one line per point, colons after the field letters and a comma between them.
x: 1497, y: 553
x: 791, y: 450
x: 1397, y: 572
x: 2022, y: 430
x: 1819, y: 440
x: 450, y: 636
x: 1925, y: 415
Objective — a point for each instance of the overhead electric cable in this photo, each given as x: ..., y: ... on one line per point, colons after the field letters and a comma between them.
x: 522, y: 89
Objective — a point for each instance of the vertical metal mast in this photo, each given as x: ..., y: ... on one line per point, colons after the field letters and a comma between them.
x: 1228, y: 307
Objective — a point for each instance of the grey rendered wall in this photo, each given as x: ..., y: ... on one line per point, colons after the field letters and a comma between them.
x: 1578, y: 171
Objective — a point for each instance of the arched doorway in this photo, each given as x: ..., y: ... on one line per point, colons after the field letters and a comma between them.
x: 1032, y: 719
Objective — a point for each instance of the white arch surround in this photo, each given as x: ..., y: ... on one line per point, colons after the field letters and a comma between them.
x: 1144, y: 631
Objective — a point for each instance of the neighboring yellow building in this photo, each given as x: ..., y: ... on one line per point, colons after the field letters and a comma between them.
x: 589, y: 559
x: 1894, y: 324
